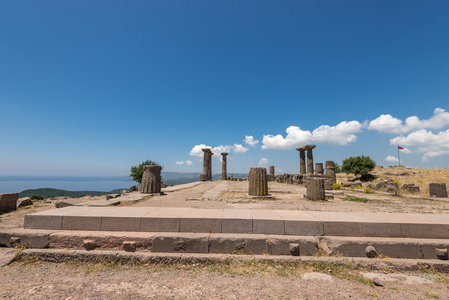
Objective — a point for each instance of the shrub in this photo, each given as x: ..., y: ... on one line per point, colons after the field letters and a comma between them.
x: 37, y: 197
x: 358, y: 165
x: 336, y: 186
x: 137, y: 171
x: 369, y: 191
x: 355, y: 199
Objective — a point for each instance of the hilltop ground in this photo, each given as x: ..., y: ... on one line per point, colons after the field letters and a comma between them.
x: 37, y: 280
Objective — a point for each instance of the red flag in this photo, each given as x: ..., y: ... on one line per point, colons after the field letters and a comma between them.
x: 400, y: 148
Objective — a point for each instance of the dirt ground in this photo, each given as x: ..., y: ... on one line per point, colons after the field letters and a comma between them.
x: 29, y: 279
x: 44, y: 280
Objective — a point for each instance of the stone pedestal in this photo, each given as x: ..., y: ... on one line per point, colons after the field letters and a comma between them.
x: 151, y: 180
x: 207, y: 165
x: 330, y: 170
x: 271, y: 175
x: 8, y: 201
x: 224, y: 175
x: 319, y: 168
x: 315, y: 189
x: 437, y: 189
x: 258, y: 183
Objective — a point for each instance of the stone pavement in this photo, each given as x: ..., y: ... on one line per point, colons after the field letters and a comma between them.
x: 255, y: 221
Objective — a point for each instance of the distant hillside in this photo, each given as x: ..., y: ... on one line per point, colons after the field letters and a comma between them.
x: 51, y: 193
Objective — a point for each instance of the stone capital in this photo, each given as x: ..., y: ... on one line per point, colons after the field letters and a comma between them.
x: 301, y: 149
x: 309, y: 147
x: 224, y: 153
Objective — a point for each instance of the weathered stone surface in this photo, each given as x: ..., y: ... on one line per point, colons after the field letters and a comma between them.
x: 442, y: 253
x: 310, y: 161
x: 133, y: 188
x: 89, y: 244
x: 24, y: 202
x: 129, y: 246
x: 437, y: 189
x: 258, y: 183
x: 371, y: 252
x: 151, y: 180
x: 62, y: 203
x: 207, y: 165
x: 271, y: 175
x: 224, y: 175
x: 8, y: 201
x: 315, y: 189
x: 289, y: 178
x: 411, y: 188
x: 330, y: 171
x: 319, y: 168
x: 387, y: 185
x: 302, y: 160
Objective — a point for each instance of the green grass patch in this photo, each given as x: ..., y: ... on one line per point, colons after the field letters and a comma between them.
x: 355, y: 199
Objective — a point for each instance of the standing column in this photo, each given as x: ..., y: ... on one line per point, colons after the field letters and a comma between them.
x: 302, y: 160
x: 330, y: 170
x: 224, y: 175
x: 271, y: 176
x: 309, y: 158
x: 319, y: 168
x: 203, y: 177
x: 209, y: 165
x: 258, y: 184
x: 151, y: 179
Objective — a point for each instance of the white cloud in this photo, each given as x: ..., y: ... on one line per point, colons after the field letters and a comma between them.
x: 196, y: 150
x: 392, y: 159
x: 386, y: 124
x: 430, y: 144
x: 179, y: 162
x: 220, y: 149
x: 189, y: 162
x: 341, y: 134
x: 239, y: 148
x: 405, y: 150
x: 249, y: 139
x: 263, y: 162
x: 389, y: 124
x: 295, y: 138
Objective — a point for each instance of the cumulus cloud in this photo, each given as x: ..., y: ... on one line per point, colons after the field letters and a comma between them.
x: 240, y: 148
x: 430, y: 144
x: 405, y: 150
x: 249, y: 139
x: 295, y: 138
x: 341, y: 134
x: 189, y: 162
x: 386, y: 124
x: 392, y: 159
x: 179, y: 162
x: 263, y: 162
x: 389, y: 124
x: 217, y: 150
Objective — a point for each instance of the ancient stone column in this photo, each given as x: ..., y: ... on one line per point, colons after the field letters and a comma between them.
x: 271, y: 176
x: 302, y: 160
x: 207, y: 165
x: 151, y: 180
x: 224, y: 175
x: 330, y: 170
x: 315, y: 189
x: 437, y: 189
x: 319, y: 168
x: 8, y: 202
x: 309, y: 158
x: 258, y: 183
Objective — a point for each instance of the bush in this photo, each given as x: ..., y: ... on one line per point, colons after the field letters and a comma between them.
x: 358, y: 165
x: 137, y: 171
x: 368, y: 191
x: 37, y: 197
x: 336, y: 186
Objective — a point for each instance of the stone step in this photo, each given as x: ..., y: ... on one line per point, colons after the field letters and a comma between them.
x: 214, y: 243
x: 278, y: 222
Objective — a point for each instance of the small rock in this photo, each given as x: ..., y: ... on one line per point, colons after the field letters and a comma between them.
x: 294, y: 249
x: 24, y: 202
x: 60, y: 204
x: 377, y: 282
x: 371, y: 252
x: 129, y: 246
x: 89, y: 245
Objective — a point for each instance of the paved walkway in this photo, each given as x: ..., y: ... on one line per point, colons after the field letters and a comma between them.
x: 256, y: 221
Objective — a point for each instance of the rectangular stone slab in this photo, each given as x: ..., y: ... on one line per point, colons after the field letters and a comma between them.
x: 300, y: 223
x: 164, y: 219
x: 237, y: 221
x: 267, y: 222
x: 202, y: 220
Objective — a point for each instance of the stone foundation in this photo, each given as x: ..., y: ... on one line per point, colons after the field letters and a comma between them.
x: 437, y: 189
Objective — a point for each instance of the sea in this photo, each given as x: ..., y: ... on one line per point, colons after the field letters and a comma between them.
x: 17, y: 184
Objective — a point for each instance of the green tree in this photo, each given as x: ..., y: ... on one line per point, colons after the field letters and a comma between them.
x: 137, y: 171
x: 358, y: 165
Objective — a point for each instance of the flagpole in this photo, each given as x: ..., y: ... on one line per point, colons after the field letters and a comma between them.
x: 399, y: 158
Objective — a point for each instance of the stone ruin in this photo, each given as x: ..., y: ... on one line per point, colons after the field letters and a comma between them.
x: 207, y: 165
x: 224, y: 175
x: 271, y: 176
x: 8, y: 202
x: 151, y: 180
x: 315, y: 189
x: 258, y: 182
x: 438, y: 189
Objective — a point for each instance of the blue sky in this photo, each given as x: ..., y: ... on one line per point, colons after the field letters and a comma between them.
x: 94, y: 87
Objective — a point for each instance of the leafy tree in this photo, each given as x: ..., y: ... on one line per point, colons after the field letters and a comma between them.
x: 137, y: 171
x: 358, y: 165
